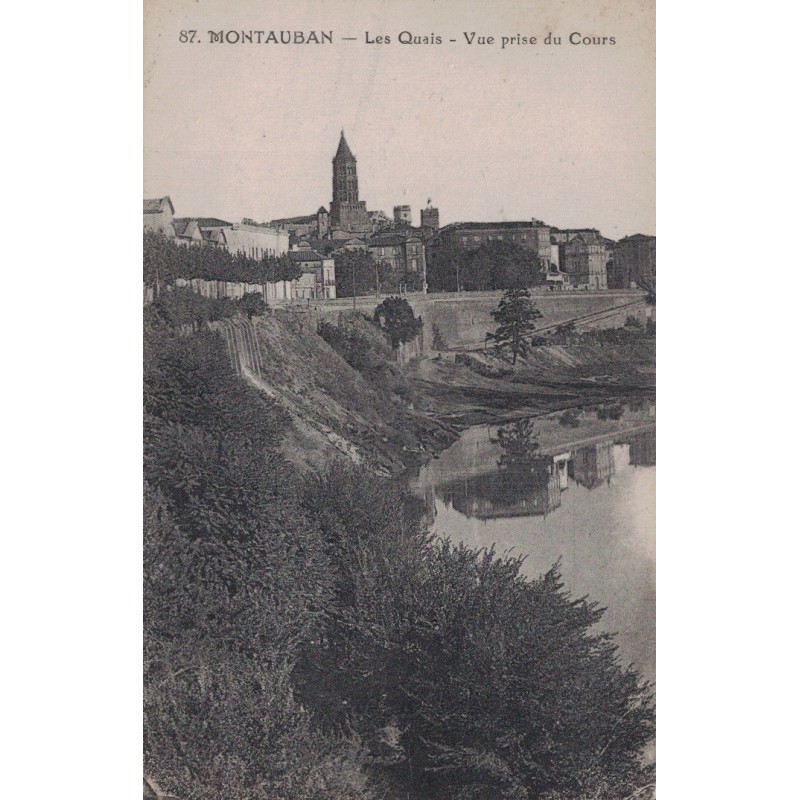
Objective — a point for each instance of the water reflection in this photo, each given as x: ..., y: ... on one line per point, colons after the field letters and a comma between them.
x: 577, y: 497
x: 524, y: 482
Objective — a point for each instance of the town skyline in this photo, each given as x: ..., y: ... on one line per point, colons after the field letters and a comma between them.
x: 566, y: 135
x: 202, y: 207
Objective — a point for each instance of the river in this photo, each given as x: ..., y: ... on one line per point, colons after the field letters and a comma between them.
x: 583, y: 495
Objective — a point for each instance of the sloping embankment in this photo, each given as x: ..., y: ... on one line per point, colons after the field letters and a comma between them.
x: 335, y: 411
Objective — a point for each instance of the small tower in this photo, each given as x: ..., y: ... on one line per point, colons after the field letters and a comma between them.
x: 323, y: 223
x: 429, y: 218
x: 402, y: 215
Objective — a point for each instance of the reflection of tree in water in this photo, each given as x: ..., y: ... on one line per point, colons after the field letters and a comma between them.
x: 520, y: 463
x: 524, y: 483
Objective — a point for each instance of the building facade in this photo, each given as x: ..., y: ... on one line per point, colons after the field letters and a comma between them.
x: 584, y: 258
x: 634, y: 263
x: 158, y: 216
x: 318, y: 281
x: 471, y: 235
x: 401, y: 251
x: 254, y: 241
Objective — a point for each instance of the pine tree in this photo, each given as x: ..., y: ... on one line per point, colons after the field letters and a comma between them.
x: 516, y: 316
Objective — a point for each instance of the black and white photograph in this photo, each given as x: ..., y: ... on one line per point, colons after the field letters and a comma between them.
x: 399, y: 396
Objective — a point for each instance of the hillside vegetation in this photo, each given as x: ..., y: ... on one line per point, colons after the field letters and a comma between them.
x: 349, y: 399
x: 306, y: 639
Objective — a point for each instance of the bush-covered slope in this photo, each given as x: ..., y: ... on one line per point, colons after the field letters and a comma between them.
x: 305, y: 639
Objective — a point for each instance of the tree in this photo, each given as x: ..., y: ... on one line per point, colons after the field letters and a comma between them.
x: 520, y: 461
x: 396, y: 317
x: 500, y: 265
x: 181, y: 307
x: 357, y: 273
x: 492, y: 265
x: 252, y: 304
x: 165, y: 260
x: 516, y: 316
x: 444, y: 264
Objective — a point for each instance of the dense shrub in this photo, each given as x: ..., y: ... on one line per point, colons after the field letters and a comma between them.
x: 180, y: 308
x: 570, y: 418
x: 616, y: 411
x: 306, y: 639
x: 350, y: 341
x: 494, y: 681
x: 235, y: 580
x: 396, y: 318
x: 633, y: 322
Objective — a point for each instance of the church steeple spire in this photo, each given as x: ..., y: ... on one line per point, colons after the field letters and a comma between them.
x: 343, y: 152
x: 347, y: 211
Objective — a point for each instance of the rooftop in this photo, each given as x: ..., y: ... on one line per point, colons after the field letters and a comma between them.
x: 476, y: 226
x: 157, y: 205
x: 295, y: 220
x: 389, y: 240
x: 202, y: 222
x: 637, y: 237
x: 305, y: 255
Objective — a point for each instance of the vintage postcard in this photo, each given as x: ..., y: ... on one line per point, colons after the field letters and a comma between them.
x: 399, y: 288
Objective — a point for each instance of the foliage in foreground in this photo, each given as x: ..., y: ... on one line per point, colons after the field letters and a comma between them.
x: 494, y: 682
x: 305, y: 638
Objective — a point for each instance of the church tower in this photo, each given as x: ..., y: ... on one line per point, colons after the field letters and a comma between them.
x: 346, y: 210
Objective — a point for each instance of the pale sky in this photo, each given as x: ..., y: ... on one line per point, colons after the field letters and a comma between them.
x: 562, y: 133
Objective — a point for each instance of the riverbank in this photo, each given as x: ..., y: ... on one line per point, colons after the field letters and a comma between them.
x: 349, y: 400
x: 471, y: 389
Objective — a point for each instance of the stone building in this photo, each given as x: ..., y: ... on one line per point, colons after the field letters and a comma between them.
x: 347, y: 211
x: 400, y: 251
x: 158, y: 215
x: 471, y: 235
x: 583, y: 258
x: 318, y: 281
x: 314, y: 225
x: 379, y: 220
x: 634, y: 264
x: 255, y: 241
